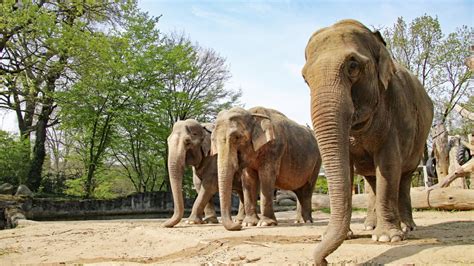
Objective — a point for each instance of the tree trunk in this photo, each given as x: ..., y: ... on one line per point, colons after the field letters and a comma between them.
x: 39, y: 152
x: 440, y: 198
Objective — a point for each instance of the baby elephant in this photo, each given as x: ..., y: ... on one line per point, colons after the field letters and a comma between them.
x: 272, y: 151
x: 189, y: 144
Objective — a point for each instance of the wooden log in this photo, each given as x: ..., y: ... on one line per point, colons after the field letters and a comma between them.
x: 461, y: 171
x: 463, y: 112
x: 441, y: 198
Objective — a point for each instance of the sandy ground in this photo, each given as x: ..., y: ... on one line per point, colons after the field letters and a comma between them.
x: 441, y: 238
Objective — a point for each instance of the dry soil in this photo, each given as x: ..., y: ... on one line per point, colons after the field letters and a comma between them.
x: 440, y: 238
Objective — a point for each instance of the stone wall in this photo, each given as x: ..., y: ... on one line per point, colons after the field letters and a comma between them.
x: 13, y: 208
x: 142, y: 203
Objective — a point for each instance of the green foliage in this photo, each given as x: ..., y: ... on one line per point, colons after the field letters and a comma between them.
x: 40, y: 49
x: 14, y: 159
x: 321, y: 185
x: 114, y: 83
x: 437, y: 59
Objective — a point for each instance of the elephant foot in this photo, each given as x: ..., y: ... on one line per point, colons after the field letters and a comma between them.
x: 194, y: 220
x: 370, y: 223
x: 250, y: 221
x: 349, y: 235
x: 301, y: 220
x: 388, y: 235
x: 238, y: 220
x: 265, y: 221
x: 408, y: 226
x: 211, y: 220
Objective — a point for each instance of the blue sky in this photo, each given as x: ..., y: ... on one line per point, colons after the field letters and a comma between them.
x: 263, y: 41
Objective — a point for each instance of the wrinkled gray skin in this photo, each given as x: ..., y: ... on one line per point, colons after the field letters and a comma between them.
x: 189, y: 144
x: 371, y: 116
x: 272, y: 151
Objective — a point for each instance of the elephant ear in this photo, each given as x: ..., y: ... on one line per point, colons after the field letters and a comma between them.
x: 262, y: 132
x: 207, y: 129
x: 385, y: 65
x: 213, y: 145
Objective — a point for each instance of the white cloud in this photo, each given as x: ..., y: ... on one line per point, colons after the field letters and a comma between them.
x: 215, y: 17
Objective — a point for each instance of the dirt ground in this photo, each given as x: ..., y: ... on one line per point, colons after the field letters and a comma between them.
x: 441, y: 238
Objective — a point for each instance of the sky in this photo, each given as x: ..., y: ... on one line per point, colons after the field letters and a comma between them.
x: 263, y: 42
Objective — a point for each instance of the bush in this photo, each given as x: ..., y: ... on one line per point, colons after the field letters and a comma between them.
x: 14, y: 159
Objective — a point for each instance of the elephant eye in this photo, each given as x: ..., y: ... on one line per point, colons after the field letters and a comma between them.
x: 353, y: 68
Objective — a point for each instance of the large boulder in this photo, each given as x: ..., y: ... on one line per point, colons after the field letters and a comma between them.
x: 285, y: 198
x: 23, y: 190
x: 6, y: 189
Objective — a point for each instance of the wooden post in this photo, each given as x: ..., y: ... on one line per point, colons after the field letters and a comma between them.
x: 440, y: 148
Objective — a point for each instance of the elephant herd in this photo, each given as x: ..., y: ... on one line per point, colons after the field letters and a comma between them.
x: 370, y: 115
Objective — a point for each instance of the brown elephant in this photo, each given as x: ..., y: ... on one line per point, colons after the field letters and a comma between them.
x: 189, y: 144
x: 371, y: 116
x: 272, y: 151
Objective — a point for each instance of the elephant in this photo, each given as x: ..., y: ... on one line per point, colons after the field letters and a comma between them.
x: 271, y: 151
x: 371, y: 116
x: 189, y: 144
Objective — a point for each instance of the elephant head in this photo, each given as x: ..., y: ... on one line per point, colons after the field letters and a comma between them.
x: 239, y: 135
x: 348, y: 69
x: 188, y: 144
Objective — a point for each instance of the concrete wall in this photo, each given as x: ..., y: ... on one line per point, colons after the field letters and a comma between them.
x: 143, y: 203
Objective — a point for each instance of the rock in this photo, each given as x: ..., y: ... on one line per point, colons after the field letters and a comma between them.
x: 23, y: 191
x: 13, y: 215
x: 285, y: 194
x: 286, y: 202
x: 6, y: 188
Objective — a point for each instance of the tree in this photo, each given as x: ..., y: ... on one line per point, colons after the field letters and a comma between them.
x: 417, y: 47
x: 142, y: 132
x: 453, y: 73
x: 438, y: 61
x: 101, y: 83
x: 37, y: 40
x: 199, y: 92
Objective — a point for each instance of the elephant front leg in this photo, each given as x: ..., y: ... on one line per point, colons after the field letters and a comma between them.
x: 371, y: 219
x: 404, y: 204
x: 249, y: 185
x: 241, y: 214
x: 267, y: 176
x: 387, y: 185
x: 201, y: 202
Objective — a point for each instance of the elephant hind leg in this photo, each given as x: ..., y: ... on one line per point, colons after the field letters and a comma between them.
x: 304, y: 195
x: 210, y: 215
x: 371, y: 219
x: 404, y: 203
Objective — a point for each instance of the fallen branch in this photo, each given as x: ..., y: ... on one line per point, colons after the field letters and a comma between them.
x: 460, y: 172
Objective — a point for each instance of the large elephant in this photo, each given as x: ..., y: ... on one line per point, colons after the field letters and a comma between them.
x: 272, y: 151
x: 189, y: 144
x: 371, y: 116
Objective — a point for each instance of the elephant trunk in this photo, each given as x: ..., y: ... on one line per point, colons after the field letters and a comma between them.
x: 227, y: 166
x: 331, y: 111
x: 176, y: 161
